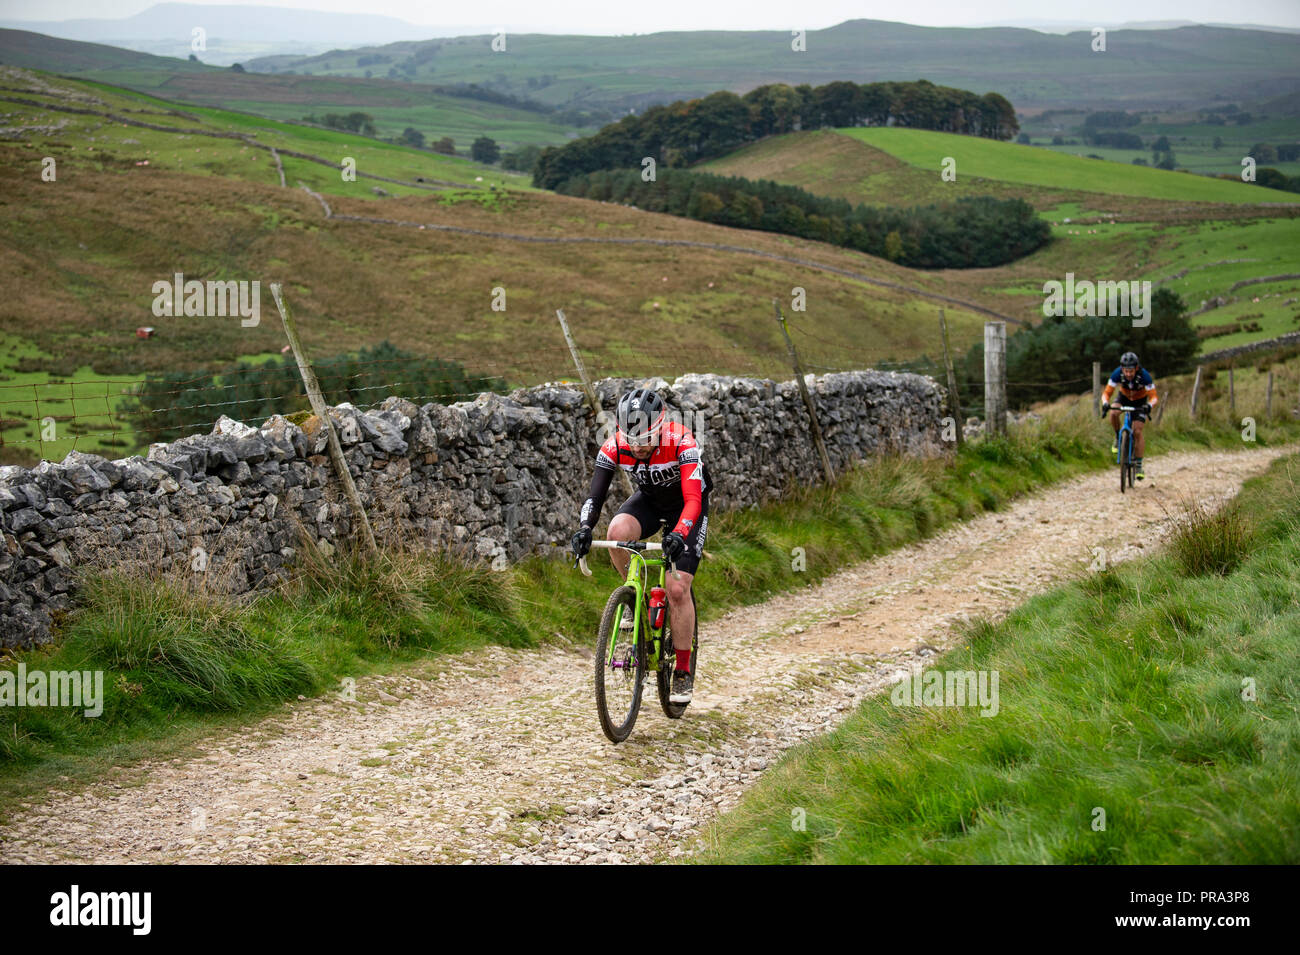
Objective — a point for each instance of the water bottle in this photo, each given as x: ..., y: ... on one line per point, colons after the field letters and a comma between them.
x: 657, y: 597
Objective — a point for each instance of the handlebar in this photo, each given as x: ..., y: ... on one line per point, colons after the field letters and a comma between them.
x: 626, y: 545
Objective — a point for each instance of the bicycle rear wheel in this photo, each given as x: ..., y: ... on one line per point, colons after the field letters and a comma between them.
x: 620, y: 667
x: 668, y: 660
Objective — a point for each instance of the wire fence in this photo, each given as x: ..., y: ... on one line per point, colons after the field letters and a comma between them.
x: 117, y: 416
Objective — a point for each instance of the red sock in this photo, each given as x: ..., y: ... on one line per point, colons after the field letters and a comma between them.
x: 684, y: 661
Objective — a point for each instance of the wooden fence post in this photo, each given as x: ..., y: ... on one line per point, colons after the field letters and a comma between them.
x: 954, y: 401
x: 624, y: 481
x: 1196, y: 389
x: 1268, y: 397
x: 807, y: 398
x: 995, y: 378
x: 321, y: 411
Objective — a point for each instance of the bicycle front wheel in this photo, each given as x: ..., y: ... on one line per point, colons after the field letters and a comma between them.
x: 620, y: 667
x: 1124, y: 443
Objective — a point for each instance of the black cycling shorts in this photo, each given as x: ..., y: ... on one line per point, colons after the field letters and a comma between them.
x: 652, y: 518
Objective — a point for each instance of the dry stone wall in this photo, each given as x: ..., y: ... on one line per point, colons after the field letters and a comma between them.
x: 493, y: 479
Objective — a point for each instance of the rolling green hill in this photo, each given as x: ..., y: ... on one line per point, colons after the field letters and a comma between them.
x: 1012, y: 162
x: 1202, y: 140
x: 828, y: 163
x: 134, y: 205
x: 1108, y: 222
x: 891, y: 165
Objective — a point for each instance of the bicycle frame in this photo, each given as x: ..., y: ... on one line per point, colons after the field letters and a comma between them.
x: 638, y: 571
x: 1126, y: 437
x: 1126, y: 427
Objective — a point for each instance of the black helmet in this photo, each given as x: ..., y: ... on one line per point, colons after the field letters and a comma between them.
x: 1128, y: 360
x: 640, y: 415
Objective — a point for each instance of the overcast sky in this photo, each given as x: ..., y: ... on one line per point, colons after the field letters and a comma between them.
x: 635, y: 16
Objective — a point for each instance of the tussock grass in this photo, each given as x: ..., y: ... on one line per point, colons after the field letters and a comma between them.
x: 185, y: 648
x: 1207, y: 540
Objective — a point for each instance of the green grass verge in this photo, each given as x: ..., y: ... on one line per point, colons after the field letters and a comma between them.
x: 1121, y: 692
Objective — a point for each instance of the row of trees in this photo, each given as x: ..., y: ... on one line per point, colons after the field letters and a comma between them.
x: 362, y: 123
x: 169, y: 406
x: 1270, y: 179
x: 1120, y: 119
x: 524, y: 159
x: 689, y: 131
x: 1283, y: 152
x: 968, y: 233
x: 484, y: 149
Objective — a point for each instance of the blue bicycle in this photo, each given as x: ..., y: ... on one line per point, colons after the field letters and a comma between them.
x: 1125, y: 445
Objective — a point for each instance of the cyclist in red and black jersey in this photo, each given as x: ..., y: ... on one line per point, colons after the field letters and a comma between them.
x: 663, y: 461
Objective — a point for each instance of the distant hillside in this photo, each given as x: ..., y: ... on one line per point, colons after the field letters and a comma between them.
x: 829, y: 163
x: 36, y: 51
x: 434, y: 112
x: 590, y: 79
x: 232, y: 31
x: 1073, y: 26
x: 1216, y: 243
x: 1140, y: 68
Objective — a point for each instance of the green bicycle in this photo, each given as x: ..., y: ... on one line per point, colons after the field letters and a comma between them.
x: 626, y: 654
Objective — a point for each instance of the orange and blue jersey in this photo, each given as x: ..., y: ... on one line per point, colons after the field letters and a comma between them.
x: 1141, y: 388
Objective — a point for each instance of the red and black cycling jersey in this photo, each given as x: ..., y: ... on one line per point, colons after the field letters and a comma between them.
x: 673, y: 478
